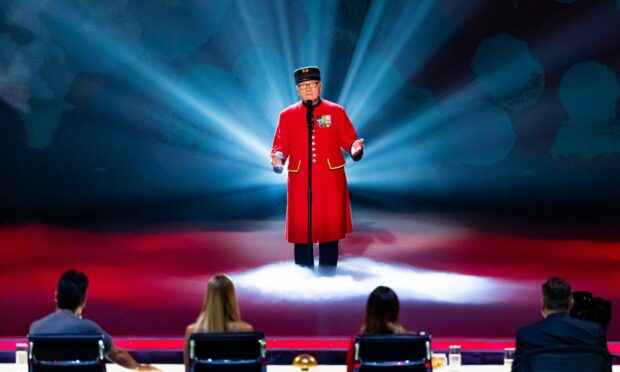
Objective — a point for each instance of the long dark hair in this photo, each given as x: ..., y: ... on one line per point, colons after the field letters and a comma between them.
x: 382, y: 312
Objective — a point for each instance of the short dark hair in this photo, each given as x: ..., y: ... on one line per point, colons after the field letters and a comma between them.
x: 71, y: 290
x: 381, y: 310
x: 556, y: 294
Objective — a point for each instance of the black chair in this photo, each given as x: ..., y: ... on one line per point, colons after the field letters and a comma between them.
x: 396, y: 353
x: 224, y: 352
x: 53, y: 353
x: 567, y: 359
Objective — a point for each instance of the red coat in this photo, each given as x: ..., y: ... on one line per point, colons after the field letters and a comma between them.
x: 331, y: 211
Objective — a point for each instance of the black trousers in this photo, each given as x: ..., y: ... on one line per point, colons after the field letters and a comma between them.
x: 328, y: 254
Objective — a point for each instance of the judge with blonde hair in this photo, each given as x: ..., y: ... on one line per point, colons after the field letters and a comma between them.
x: 220, y: 312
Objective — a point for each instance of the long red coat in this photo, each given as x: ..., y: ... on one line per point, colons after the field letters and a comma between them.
x: 331, y: 211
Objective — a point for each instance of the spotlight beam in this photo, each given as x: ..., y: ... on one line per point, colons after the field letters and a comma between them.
x: 158, y: 76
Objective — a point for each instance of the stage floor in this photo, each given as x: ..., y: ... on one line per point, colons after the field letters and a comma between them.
x: 458, y: 274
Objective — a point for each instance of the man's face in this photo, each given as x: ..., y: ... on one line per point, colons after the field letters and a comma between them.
x: 309, y: 90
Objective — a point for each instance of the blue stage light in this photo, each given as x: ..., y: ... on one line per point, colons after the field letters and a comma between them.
x: 208, y: 81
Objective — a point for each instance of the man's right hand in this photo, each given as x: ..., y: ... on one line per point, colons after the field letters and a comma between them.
x: 123, y: 358
x: 147, y: 367
x: 276, y: 163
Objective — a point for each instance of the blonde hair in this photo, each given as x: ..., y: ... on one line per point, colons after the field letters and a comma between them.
x: 219, y: 306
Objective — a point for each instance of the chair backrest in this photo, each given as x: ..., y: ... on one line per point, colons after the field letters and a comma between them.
x: 397, y: 353
x: 73, y: 353
x: 567, y: 359
x: 223, y: 352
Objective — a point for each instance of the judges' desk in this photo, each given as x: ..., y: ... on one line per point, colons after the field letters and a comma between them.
x: 339, y: 368
x: 342, y: 368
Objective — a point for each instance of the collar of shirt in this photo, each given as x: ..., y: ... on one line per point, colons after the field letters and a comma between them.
x: 68, y: 312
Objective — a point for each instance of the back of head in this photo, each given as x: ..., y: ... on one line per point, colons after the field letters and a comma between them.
x: 382, y: 311
x: 556, y: 294
x: 219, y: 307
x: 71, y: 290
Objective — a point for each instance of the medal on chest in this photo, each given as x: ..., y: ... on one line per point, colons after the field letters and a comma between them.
x: 324, y: 121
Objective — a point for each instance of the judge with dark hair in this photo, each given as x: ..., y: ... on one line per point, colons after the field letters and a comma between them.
x: 70, y: 300
x: 312, y: 134
x: 382, y: 313
x: 557, y: 328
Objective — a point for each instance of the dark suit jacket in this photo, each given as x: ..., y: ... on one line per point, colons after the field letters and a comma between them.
x: 557, y: 330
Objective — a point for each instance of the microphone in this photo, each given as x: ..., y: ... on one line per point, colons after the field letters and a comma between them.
x: 309, y: 114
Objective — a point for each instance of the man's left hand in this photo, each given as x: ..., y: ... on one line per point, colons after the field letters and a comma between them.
x: 357, y: 146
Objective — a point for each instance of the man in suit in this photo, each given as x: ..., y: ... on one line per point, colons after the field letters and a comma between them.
x: 557, y: 328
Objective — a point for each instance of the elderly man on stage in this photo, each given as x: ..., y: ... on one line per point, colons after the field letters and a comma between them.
x: 311, y: 134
